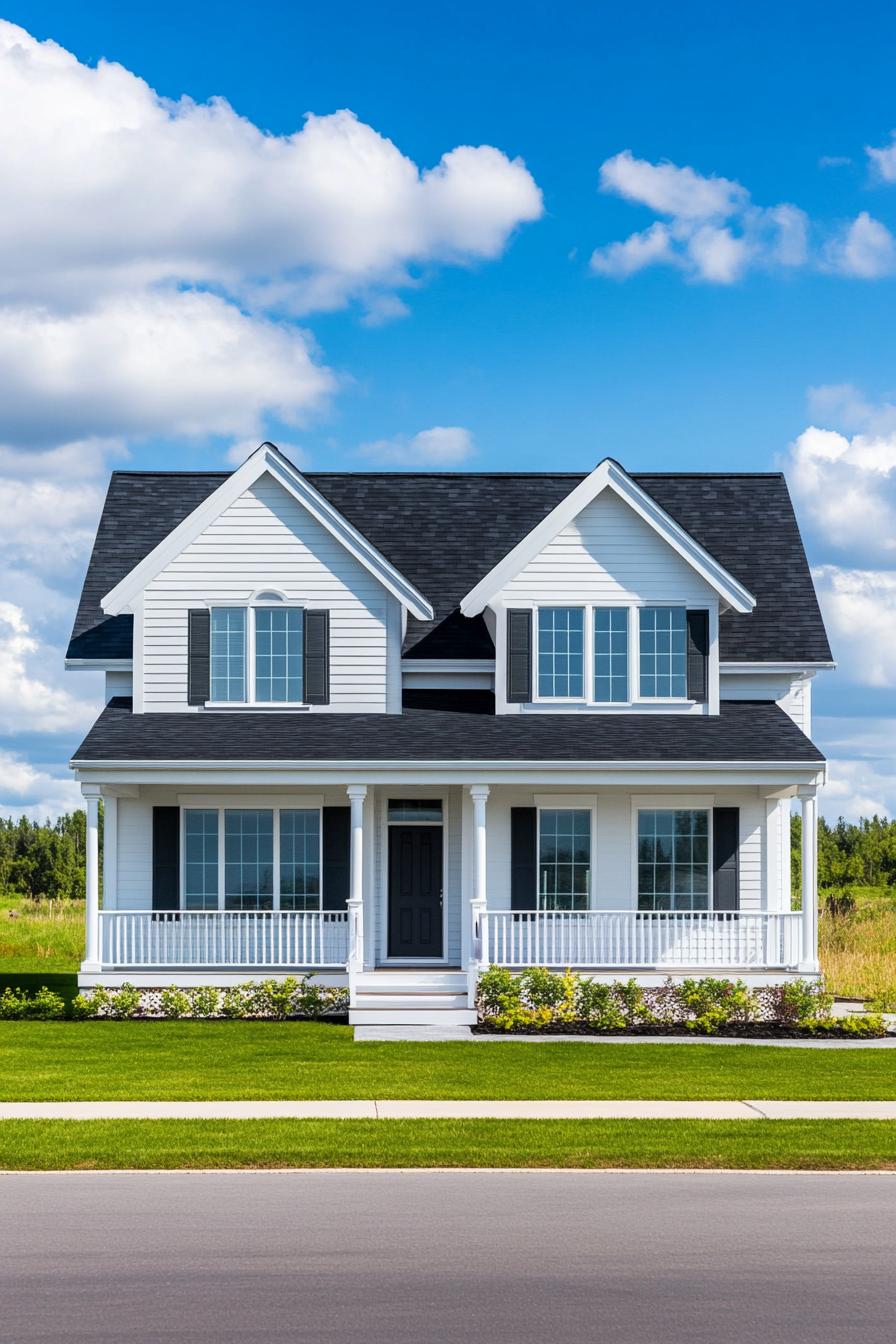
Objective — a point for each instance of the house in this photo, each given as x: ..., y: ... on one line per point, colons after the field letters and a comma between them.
x: 394, y: 728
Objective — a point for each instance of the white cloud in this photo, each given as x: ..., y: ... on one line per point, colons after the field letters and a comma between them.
x: 834, y: 161
x: 846, y: 488
x: 441, y: 446
x: 37, y: 794
x: 865, y: 249
x: 859, y: 609
x: 117, y: 187
x: 30, y: 699
x: 884, y: 160
x: 714, y: 232
x: 861, y: 776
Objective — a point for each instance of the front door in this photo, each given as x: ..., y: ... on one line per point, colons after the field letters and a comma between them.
x: 415, y: 891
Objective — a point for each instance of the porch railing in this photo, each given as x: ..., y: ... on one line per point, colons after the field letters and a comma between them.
x: 639, y: 939
x: 256, y: 938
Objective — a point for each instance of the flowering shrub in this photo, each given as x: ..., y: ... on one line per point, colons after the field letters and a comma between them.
x: 541, y: 998
x: 44, y: 1005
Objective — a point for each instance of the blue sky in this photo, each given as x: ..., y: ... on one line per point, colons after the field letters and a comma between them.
x: 510, y: 303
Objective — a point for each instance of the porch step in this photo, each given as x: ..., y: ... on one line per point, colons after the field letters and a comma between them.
x: 396, y: 1001
x: 411, y: 1015
x: 411, y: 982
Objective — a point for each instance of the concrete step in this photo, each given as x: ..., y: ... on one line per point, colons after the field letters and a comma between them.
x: 367, y: 1000
x: 411, y: 1016
x: 387, y: 981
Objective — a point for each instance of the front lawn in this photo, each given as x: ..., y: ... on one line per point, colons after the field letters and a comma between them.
x: 50, y: 1145
x: 156, y: 1061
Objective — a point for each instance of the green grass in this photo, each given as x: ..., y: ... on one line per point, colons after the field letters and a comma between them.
x: 50, y: 1145
x: 858, y: 950
x: 41, y: 937
x: 56, y: 1061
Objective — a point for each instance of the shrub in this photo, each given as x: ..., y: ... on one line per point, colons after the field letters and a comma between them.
x: 46, y: 1005
x: 858, y: 1025
x: 274, y: 998
x: 13, y: 1004
x: 596, y: 1004
x: 796, y: 1003
x: 204, y: 1001
x: 236, y: 1000
x: 712, y: 1003
x: 95, y: 1004
x: 125, y: 1002
x: 316, y: 1001
x: 174, y: 1002
x: 497, y: 990
x: 632, y: 1003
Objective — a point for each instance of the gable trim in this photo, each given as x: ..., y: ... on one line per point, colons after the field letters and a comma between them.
x: 609, y: 475
x: 266, y: 459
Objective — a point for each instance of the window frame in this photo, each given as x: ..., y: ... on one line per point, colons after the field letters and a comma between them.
x: 666, y: 803
x: 662, y: 699
x: 536, y: 678
x: 248, y: 804
x: 567, y: 803
x: 266, y: 599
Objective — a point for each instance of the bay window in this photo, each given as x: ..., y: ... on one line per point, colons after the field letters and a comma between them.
x: 673, y: 859
x: 242, y: 858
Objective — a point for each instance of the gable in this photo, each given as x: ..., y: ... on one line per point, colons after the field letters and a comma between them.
x: 607, y: 552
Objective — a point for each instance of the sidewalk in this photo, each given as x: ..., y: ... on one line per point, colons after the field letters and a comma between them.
x: 448, y: 1110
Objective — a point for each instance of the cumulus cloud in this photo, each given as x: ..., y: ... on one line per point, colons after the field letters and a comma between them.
x: 713, y: 231
x: 441, y: 446
x: 30, y: 698
x: 865, y: 248
x: 859, y: 608
x: 156, y: 251
x: 883, y: 160
x: 846, y: 488
x: 861, y: 777
x: 28, y: 791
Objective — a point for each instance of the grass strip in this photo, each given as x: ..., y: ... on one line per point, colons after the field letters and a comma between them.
x: 196, y: 1061
x: 56, y: 1145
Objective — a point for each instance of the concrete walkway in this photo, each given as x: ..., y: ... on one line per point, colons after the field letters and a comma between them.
x: 428, y: 1033
x: 448, y: 1110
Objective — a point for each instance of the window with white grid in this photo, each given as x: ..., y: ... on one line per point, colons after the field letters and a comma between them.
x: 299, y: 859
x: 201, y: 859
x: 228, y: 653
x: 662, y: 653
x: 561, y: 652
x: 673, y: 859
x: 278, y: 654
x: 610, y: 654
x: 564, y: 858
x: 248, y: 859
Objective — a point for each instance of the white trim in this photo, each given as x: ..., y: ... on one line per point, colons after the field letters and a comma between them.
x: 382, y: 955
x: 99, y: 664
x: 373, y: 770
x: 266, y: 458
x: 608, y: 475
x: 808, y: 668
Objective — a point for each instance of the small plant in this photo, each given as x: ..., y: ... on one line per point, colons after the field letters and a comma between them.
x: 13, y: 1004
x: 497, y: 990
x: 275, y: 998
x: 596, y: 1004
x: 205, y: 1001
x: 711, y: 1004
x: 797, y: 1003
x: 236, y: 1001
x: 125, y: 1002
x: 859, y: 1025
x: 633, y: 1004
x: 174, y: 1002
x: 46, y: 1005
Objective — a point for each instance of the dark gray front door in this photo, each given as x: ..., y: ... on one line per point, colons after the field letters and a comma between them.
x: 415, y: 891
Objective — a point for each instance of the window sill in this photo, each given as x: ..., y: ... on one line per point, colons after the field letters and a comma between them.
x: 255, y: 707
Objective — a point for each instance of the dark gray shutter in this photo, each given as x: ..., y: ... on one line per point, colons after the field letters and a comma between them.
x: 519, y: 656
x: 166, y: 858
x: 698, y: 655
x: 725, y: 851
x: 523, y: 861
x: 316, y: 658
x: 198, y: 659
x: 337, y: 834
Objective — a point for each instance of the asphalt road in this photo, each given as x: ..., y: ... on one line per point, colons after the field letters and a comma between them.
x: 425, y: 1257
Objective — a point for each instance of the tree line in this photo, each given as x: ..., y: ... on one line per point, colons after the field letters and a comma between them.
x: 45, y: 860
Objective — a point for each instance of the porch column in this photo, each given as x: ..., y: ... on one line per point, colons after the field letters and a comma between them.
x: 92, y: 961
x: 357, y: 793
x: 479, y: 951
x: 809, y: 811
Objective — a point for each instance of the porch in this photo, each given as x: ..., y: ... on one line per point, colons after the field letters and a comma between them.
x: 463, y: 893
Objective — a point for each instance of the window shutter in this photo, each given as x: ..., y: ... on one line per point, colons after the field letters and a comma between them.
x: 316, y: 658
x: 198, y: 660
x: 519, y: 656
x: 523, y: 864
x: 698, y: 655
x: 336, y: 823
x: 725, y: 850
x: 166, y: 857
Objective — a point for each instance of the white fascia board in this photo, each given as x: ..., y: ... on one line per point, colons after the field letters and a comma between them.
x: 609, y: 475
x: 99, y: 664
x: 751, y: 667
x: 266, y: 458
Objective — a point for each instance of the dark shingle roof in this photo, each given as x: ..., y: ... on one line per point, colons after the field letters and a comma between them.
x: 444, y: 532
x: 744, y: 731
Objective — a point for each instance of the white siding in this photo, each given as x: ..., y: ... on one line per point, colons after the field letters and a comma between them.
x: 267, y: 540
x: 792, y: 693
x: 608, y: 552
x: 134, y: 854
x: 118, y: 683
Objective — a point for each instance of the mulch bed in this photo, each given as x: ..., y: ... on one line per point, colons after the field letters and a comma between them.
x: 765, y: 1031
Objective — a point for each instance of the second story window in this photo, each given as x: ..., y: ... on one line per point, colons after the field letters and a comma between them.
x: 561, y: 652
x: 257, y: 654
x: 610, y: 655
x: 663, y: 653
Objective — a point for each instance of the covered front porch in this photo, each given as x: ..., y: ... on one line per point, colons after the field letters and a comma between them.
x: 407, y: 888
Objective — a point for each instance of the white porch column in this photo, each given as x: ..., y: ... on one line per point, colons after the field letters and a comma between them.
x: 479, y: 951
x: 357, y: 793
x: 92, y: 961
x: 809, y: 811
